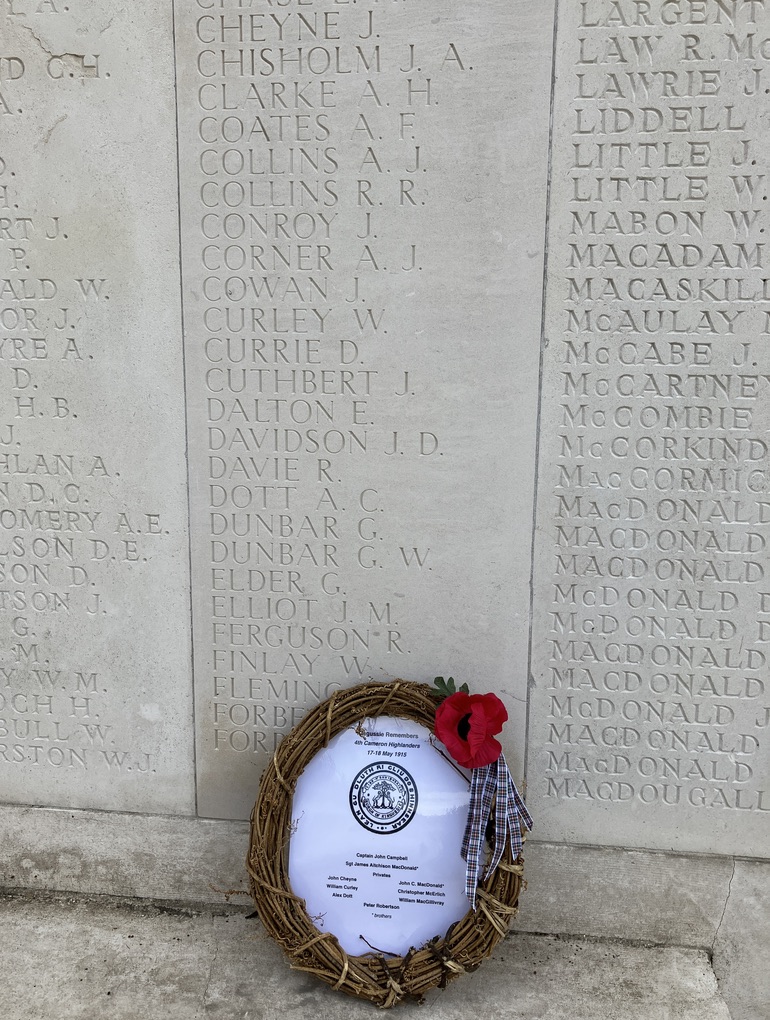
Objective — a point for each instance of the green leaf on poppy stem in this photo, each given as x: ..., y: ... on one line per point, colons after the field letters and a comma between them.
x: 446, y: 688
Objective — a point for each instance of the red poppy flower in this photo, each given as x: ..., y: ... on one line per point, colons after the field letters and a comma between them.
x: 466, y: 724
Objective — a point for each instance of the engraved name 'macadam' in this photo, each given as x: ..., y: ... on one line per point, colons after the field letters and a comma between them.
x: 655, y: 684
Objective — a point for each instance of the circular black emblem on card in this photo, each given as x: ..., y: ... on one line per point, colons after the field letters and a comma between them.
x: 383, y: 797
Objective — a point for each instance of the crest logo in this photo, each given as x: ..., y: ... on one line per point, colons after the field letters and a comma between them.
x: 383, y: 797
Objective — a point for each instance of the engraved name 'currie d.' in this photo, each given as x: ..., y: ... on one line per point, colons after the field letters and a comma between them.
x: 653, y: 587
x: 95, y: 704
x: 351, y: 253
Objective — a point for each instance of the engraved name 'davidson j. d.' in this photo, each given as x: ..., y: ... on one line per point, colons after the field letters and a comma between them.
x: 378, y: 819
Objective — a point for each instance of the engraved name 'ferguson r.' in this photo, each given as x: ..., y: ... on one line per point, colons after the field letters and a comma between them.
x: 310, y: 154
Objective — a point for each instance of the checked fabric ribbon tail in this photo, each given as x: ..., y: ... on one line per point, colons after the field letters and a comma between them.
x: 492, y: 783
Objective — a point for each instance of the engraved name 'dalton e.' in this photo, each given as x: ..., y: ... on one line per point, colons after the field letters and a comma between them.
x: 377, y: 826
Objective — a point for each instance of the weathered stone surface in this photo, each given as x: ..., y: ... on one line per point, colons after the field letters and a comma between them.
x: 362, y: 223
x: 649, y: 897
x: 651, y: 600
x: 95, y: 701
x: 740, y: 951
x: 612, y: 893
x: 188, y: 860
x: 131, y: 962
x: 653, y: 897
x: 362, y: 377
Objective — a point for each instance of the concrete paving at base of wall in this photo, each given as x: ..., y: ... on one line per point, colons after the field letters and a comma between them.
x: 714, y: 904
x: 67, y: 958
x: 741, y: 952
x: 646, y: 896
x: 157, y: 857
x: 670, y: 899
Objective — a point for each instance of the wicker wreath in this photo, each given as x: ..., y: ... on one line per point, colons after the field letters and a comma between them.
x: 383, y: 980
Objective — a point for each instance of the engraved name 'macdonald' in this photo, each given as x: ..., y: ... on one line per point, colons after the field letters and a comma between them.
x: 383, y: 797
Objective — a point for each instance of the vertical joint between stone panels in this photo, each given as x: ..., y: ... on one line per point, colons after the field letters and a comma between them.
x: 543, y: 344
x: 186, y: 408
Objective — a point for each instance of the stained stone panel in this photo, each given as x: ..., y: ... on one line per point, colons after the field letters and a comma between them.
x: 362, y: 232
x: 95, y: 701
x: 652, y: 596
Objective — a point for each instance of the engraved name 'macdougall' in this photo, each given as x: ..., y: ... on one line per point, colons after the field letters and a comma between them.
x: 654, y: 675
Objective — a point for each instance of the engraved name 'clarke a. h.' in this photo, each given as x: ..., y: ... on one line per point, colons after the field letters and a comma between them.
x: 330, y: 259
x: 335, y: 458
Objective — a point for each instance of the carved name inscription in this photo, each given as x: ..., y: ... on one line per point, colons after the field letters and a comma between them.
x: 653, y: 577
x: 327, y: 305
x: 91, y: 522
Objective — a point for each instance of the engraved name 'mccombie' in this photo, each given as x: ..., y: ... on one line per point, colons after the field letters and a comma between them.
x: 652, y: 688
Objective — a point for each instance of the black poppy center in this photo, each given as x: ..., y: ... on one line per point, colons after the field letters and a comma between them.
x: 464, y: 727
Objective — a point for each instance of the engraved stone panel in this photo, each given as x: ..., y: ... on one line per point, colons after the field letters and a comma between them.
x: 95, y: 700
x: 652, y: 596
x: 362, y: 227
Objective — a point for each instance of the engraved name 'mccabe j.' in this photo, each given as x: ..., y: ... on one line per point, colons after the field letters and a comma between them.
x: 383, y: 797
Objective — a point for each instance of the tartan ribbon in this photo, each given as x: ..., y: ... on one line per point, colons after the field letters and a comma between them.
x: 488, y: 783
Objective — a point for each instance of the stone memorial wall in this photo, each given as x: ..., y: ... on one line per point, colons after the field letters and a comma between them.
x: 369, y: 339
x: 338, y: 377
x: 361, y: 418
x: 652, y: 634
x: 95, y: 698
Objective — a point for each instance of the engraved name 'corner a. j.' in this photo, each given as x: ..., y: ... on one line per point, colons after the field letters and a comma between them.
x: 383, y: 797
